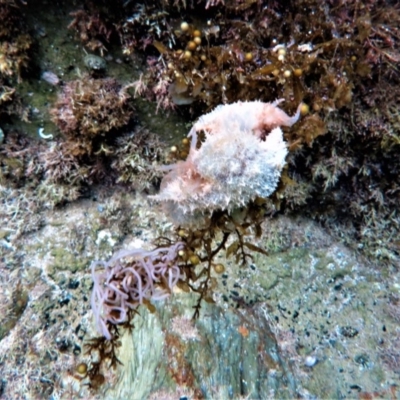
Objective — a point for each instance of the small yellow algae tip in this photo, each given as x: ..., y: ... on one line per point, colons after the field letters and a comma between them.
x: 184, y: 26
x: 304, y: 109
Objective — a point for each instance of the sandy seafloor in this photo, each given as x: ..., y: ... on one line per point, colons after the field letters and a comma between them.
x: 314, y: 319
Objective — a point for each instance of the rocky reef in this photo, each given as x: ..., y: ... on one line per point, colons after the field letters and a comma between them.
x: 96, y: 101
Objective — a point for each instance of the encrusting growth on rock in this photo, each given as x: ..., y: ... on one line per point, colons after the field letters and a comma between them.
x: 240, y: 158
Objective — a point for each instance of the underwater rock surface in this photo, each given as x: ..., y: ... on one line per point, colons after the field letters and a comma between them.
x: 225, y: 354
x: 311, y: 319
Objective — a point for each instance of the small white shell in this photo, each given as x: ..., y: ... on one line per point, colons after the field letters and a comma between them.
x: 41, y: 133
x: 310, y: 361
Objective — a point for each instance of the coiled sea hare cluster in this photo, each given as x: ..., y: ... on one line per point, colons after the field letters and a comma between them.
x: 131, y: 278
x: 240, y: 159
